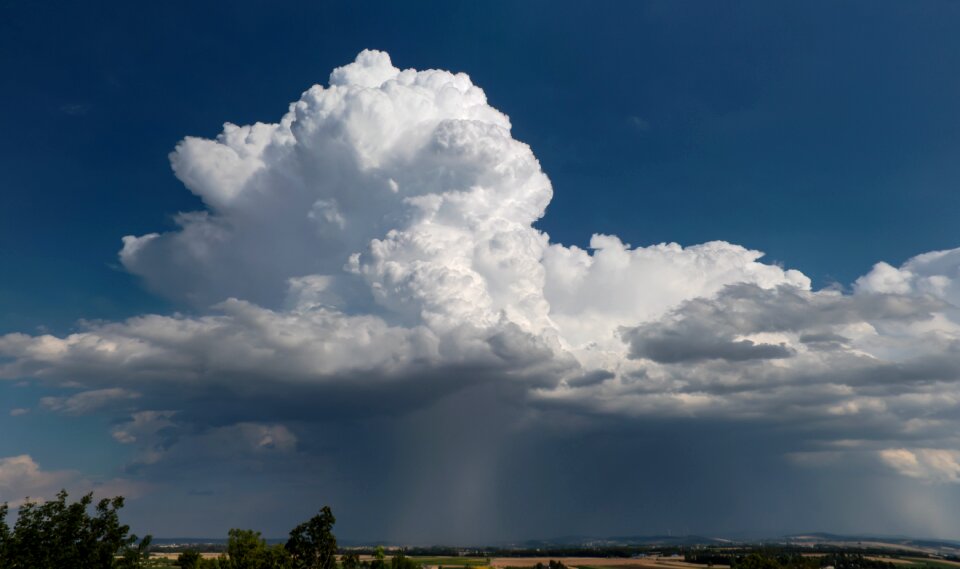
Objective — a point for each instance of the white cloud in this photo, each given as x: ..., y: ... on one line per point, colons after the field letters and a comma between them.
x: 143, y: 425
x: 87, y: 402
x: 384, y: 224
x: 382, y: 231
x: 929, y: 464
x: 936, y: 273
x: 823, y: 365
x: 21, y: 477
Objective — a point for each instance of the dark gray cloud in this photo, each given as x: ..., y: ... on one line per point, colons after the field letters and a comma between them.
x: 591, y: 378
x: 677, y: 346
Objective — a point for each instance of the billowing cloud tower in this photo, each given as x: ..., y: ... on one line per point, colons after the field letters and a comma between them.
x: 380, y: 240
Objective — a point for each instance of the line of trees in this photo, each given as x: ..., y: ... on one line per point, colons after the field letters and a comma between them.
x: 311, y: 545
x: 60, y: 535
x: 772, y: 558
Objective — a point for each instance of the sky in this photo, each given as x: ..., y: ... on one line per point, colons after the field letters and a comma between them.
x: 480, y: 272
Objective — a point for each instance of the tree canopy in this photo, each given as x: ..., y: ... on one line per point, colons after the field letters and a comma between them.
x: 312, y: 544
x: 56, y: 534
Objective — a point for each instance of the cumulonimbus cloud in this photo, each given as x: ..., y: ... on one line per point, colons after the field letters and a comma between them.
x: 383, y: 229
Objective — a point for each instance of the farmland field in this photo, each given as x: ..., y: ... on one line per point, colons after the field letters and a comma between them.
x: 938, y: 563
x: 449, y: 561
x: 597, y: 562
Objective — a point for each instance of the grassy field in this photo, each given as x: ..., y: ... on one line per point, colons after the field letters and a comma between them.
x: 599, y: 563
x: 158, y: 562
x: 452, y: 561
x: 937, y: 563
x: 647, y: 564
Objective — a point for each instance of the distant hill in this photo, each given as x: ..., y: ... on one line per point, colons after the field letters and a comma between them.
x: 620, y: 541
x: 929, y: 546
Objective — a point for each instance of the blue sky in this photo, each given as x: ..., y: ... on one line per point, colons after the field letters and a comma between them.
x: 824, y: 135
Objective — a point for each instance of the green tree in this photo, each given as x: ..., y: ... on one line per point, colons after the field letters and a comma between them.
x: 401, y: 561
x: 247, y: 550
x: 350, y: 560
x: 56, y: 534
x: 189, y: 559
x: 312, y: 544
x: 134, y: 557
x: 245, y: 547
x: 215, y: 563
x: 378, y: 559
x: 276, y: 557
x: 756, y: 561
x: 4, y: 535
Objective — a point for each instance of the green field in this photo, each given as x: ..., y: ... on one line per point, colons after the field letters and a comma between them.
x: 453, y: 561
x: 157, y: 562
x: 934, y: 563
